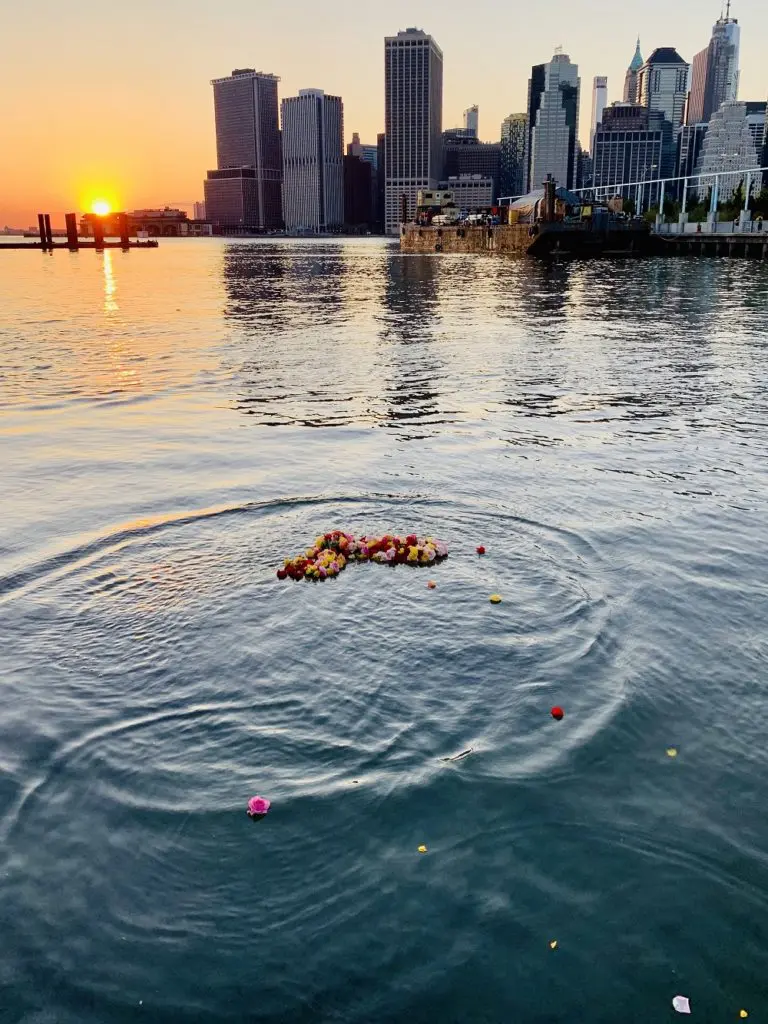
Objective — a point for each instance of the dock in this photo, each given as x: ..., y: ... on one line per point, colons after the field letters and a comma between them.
x: 73, y: 241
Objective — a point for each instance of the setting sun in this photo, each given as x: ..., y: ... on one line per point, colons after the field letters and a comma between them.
x: 100, y: 207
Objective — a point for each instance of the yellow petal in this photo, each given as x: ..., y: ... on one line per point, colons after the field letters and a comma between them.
x: 553, y: 944
x: 495, y: 599
x: 671, y: 752
x: 422, y: 849
x: 743, y: 1013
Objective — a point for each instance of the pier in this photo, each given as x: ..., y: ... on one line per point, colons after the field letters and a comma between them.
x: 73, y: 241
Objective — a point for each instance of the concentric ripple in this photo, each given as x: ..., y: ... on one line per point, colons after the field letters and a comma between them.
x: 163, y: 452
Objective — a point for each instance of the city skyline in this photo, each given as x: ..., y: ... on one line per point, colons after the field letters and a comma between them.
x: 145, y: 135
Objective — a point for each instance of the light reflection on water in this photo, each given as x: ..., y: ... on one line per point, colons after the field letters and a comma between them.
x: 172, y: 424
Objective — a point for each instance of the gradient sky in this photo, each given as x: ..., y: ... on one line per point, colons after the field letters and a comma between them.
x: 114, y: 98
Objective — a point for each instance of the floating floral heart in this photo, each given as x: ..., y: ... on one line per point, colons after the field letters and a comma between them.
x: 333, y: 551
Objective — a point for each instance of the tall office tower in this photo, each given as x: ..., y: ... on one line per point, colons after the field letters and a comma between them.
x: 663, y: 86
x: 599, y: 103
x: 715, y: 78
x: 245, y: 192
x: 514, y: 135
x: 359, y: 194
x: 694, y: 111
x: 690, y: 139
x: 628, y: 148
x: 555, y: 125
x: 734, y: 142
x: 536, y: 84
x: 381, y: 178
x: 313, y: 161
x: 472, y: 121
x: 630, y: 79
x: 413, y: 114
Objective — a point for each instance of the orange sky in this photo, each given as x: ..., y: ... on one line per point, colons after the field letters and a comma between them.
x: 114, y: 99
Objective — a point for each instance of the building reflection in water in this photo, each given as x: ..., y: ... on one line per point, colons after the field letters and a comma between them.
x: 409, y: 333
x: 299, y: 355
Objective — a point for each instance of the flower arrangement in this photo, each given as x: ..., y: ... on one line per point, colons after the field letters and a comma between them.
x: 332, y: 552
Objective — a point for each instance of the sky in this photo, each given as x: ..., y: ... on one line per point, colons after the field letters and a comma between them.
x: 114, y: 100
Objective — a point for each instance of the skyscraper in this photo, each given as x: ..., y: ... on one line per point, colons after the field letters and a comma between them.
x: 313, y: 168
x: 734, y: 141
x: 599, y: 103
x: 514, y: 135
x: 663, y: 86
x: 630, y: 79
x: 245, y: 192
x: 554, y: 131
x: 536, y: 85
x: 472, y: 121
x: 628, y: 147
x: 715, y: 78
x: 413, y: 116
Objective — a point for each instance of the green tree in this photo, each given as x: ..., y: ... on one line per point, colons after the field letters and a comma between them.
x: 629, y: 207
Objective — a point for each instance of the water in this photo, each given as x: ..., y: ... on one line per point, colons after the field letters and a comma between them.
x: 173, y: 424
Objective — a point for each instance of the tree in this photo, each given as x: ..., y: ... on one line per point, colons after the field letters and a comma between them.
x: 671, y: 209
x: 760, y: 204
x: 629, y: 207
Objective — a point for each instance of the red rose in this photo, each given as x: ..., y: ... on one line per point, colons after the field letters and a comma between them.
x: 558, y: 714
x: 480, y: 549
x: 282, y: 574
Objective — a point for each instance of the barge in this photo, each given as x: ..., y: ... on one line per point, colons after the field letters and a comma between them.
x: 547, y: 223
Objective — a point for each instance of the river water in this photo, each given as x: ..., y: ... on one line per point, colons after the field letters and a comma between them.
x: 175, y: 423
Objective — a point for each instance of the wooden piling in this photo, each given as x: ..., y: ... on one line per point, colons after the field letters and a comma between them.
x: 48, y: 232
x: 98, y: 232
x: 71, y: 221
x: 41, y: 229
x: 122, y: 225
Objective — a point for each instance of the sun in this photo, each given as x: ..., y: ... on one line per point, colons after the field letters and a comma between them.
x: 101, y: 207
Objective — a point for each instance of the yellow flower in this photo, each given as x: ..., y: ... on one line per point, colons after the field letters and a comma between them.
x: 495, y: 599
x: 422, y: 849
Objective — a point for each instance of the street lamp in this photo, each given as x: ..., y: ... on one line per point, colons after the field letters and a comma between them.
x: 643, y: 178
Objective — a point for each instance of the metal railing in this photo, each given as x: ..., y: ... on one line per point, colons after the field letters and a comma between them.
x: 748, y: 176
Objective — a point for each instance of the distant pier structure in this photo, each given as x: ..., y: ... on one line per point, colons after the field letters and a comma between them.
x: 118, y: 223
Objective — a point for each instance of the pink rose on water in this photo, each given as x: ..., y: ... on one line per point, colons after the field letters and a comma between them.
x: 258, y: 806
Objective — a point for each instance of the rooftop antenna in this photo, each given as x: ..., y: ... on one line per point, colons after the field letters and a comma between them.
x: 728, y: 10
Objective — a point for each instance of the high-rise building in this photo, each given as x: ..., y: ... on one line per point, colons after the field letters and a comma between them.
x: 599, y: 103
x: 514, y: 135
x: 630, y: 79
x: 313, y: 168
x: 247, y: 140
x: 694, y: 110
x: 413, y: 115
x: 663, y: 86
x: 198, y: 211
x: 464, y: 155
x: 536, y: 85
x: 690, y: 139
x: 715, y: 78
x: 627, y: 152
x: 472, y: 121
x: 733, y: 143
x: 555, y: 125
x: 358, y: 192
x: 381, y: 179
